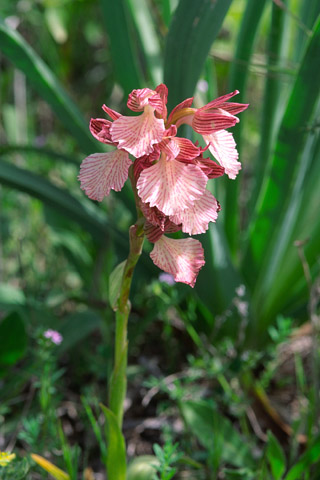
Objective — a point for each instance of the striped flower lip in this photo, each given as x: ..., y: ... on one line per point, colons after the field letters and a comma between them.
x: 169, y: 173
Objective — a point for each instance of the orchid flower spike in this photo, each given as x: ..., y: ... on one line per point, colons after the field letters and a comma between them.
x: 170, y: 173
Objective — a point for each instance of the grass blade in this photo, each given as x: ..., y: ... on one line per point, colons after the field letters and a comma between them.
x: 13, y: 45
x: 286, y: 161
x: 142, y: 17
x: 193, y: 28
x: 40, y: 188
x: 122, y: 41
x: 238, y: 81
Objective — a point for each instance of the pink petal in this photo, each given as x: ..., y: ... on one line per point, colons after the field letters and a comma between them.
x: 196, y: 219
x: 185, y: 104
x: 136, y: 135
x: 99, y: 128
x: 206, y: 122
x: 112, y: 113
x: 182, y: 258
x: 170, y: 147
x: 145, y: 161
x: 101, y: 172
x: 163, y: 93
x: 210, y: 168
x: 154, y: 232
x: 223, y: 148
x: 220, y: 100
x: 139, y: 99
x: 171, y: 186
x: 234, y: 108
x: 188, y: 150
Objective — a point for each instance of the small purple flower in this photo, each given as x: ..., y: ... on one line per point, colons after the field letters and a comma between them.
x: 166, y: 278
x: 54, y: 336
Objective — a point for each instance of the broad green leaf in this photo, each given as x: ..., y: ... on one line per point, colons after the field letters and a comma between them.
x: 14, y: 46
x: 276, y: 457
x: 214, y: 431
x: 238, y: 81
x: 122, y: 44
x: 13, y: 339
x: 115, y: 284
x: 144, y: 22
x: 286, y: 161
x: 193, y: 28
x: 116, y: 453
x: 311, y: 456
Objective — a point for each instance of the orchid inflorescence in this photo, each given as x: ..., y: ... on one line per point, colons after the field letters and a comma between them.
x: 169, y: 173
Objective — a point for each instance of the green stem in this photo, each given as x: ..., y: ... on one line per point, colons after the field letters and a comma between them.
x: 118, y: 384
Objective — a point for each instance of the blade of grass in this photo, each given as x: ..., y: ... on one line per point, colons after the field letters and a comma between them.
x: 193, y: 28
x: 13, y: 45
x: 286, y: 161
x: 122, y: 44
x: 272, y: 107
x: 238, y: 81
x: 144, y: 22
x: 38, y: 187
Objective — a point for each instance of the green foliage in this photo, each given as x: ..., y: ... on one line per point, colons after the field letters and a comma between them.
x: 13, y: 339
x: 166, y: 456
x: 116, y: 453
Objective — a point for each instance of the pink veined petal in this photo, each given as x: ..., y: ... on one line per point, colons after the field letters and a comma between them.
x: 220, y: 100
x: 112, y: 113
x: 210, y: 168
x: 99, y: 128
x: 196, y: 219
x: 162, y: 90
x: 205, y: 122
x: 223, y: 148
x: 154, y: 232
x: 136, y: 135
x: 171, y: 186
x: 234, y: 108
x: 188, y: 150
x: 102, y: 172
x: 170, y: 147
x: 139, y: 99
x: 183, y: 258
x: 185, y: 104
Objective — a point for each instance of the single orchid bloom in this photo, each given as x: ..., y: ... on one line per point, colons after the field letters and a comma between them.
x: 169, y: 173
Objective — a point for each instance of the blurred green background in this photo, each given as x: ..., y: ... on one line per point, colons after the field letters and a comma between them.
x: 60, y: 60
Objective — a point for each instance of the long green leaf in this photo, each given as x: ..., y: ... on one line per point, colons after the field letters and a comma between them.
x: 116, y: 451
x: 13, y: 45
x: 149, y: 39
x: 284, y: 271
x: 238, y: 81
x: 122, y: 44
x: 194, y: 26
x: 275, y: 194
x: 274, y: 86
x: 38, y: 187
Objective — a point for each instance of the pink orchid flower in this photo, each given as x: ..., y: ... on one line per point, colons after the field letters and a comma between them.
x: 170, y: 172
